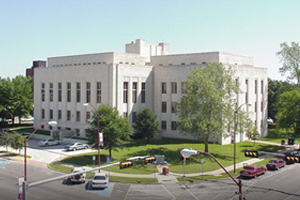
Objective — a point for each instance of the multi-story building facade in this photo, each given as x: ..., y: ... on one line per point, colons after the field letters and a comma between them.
x: 144, y: 76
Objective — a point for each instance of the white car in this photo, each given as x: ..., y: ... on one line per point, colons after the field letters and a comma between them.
x: 270, y: 120
x: 76, y: 146
x: 79, y: 178
x: 48, y: 142
x: 100, y: 180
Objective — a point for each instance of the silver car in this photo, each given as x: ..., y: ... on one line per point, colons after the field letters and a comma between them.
x: 79, y: 178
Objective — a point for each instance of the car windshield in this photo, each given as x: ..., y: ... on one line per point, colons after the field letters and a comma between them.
x: 273, y: 161
x: 249, y: 168
x: 99, y: 178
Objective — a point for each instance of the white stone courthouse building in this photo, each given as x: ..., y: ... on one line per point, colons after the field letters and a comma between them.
x: 145, y: 76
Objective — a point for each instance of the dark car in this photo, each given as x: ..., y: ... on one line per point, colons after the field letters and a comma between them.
x: 275, y: 163
x: 251, y: 171
x: 287, y: 159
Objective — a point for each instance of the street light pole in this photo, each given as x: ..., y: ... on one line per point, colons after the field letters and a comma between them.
x: 51, y: 123
x: 234, y: 136
x: 98, y: 131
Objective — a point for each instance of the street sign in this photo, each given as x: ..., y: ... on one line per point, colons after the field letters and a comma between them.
x: 108, y: 159
x: 201, y: 160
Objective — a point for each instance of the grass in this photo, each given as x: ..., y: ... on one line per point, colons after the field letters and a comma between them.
x: 171, y: 151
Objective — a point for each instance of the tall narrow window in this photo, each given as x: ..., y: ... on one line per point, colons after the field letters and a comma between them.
x: 43, y: 91
x: 51, y: 92
x: 88, y: 92
x: 174, y: 87
x: 98, y: 92
x: 88, y: 116
x: 163, y: 125
x: 134, y: 92
x: 125, y: 114
x: 78, y: 116
x: 59, y: 92
x: 59, y: 114
x: 174, y: 125
x: 183, y: 87
x: 255, y: 85
x: 68, y: 92
x: 163, y: 88
x: 43, y: 113
x: 174, y: 108
x: 133, y: 117
x: 51, y: 114
x: 125, y: 92
x: 246, y: 93
x: 143, y: 93
x: 68, y: 115
x: 163, y: 107
x: 262, y: 87
x: 78, y: 92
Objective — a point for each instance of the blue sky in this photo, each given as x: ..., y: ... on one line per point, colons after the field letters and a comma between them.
x: 38, y: 29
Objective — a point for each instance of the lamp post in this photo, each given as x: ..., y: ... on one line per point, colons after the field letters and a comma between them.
x: 234, y: 136
x: 98, y: 131
x: 51, y: 123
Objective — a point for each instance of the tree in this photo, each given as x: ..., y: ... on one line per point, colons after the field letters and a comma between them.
x: 17, y: 142
x: 275, y: 89
x: 288, y: 116
x: 115, y: 128
x: 290, y: 57
x: 146, y: 124
x: 205, y: 111
x: 5, y: 140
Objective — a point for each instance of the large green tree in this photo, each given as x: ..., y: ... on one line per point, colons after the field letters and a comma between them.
x: 115, y: 128
x: 16, y: 97
x: 146, y: 124
x: 206, y: 110
x: 290, y: 57
x: 17, y: 141
x: 288, y: 116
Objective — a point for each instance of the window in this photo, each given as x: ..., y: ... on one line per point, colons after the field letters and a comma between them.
x: 261, y: 106
x: 262, y: 87
x: 78, y: 90
x: 59, y: 114
x: 143, y: 93
x: 174, y: 125
x: 134, y: 92
x: 98, y: 92
x: 88, y: 92
x: 88, y: 116
x: 163, y: 125
x: 68, y: 92
x: 246, y: 93
x: 164, y: 88
x: 255, y: 85
x: 174, y: 87
x: 59, y: 92
x: 78, y: 116
x: 68, y: 115
x: 174, y: 107
x: 77, y: 132
x: 51, y: 114
x: 43, y: 113
x: 133, y: 117
x: 125, y: 114
x: 43, y: 91
x: 51, y: 92
x: 163, y: 107
x: 125, y: 92
x: 183, y: 88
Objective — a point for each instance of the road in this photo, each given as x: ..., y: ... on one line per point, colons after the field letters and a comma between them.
x: 281, y: 185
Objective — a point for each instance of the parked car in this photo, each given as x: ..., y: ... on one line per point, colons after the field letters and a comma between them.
x: 79, y: 178
x: 48, y: 142
x: 76, y: 146
x: 290, y: 153
x: 252, y: 171
x: 270, y: 120
x: 275, y: 163
x: 100, y: 180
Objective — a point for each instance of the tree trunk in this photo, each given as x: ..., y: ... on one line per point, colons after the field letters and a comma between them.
x: 206, y: 147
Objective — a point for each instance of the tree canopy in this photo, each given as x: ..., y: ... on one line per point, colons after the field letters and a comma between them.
x: 290, y: 57
x: 206, y: 110
x: 288, y: 116
x: 146, y: 124
x: 16, y: 97
x: 115, y: 128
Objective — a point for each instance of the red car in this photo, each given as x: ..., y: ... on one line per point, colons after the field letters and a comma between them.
x: 252, y: 171
x: 275, y: 163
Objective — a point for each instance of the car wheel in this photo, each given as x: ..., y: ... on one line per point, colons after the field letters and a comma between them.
x: 46, y: 144
x: 74, y: 149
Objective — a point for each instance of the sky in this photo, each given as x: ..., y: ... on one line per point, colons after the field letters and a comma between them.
x: 38, y: 29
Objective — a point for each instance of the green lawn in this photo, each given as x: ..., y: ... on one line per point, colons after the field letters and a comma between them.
x: 171, y: 150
